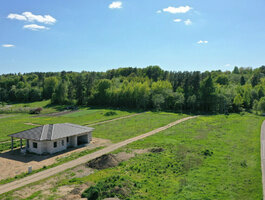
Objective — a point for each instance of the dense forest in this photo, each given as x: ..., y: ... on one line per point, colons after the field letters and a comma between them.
x: 143, y: 88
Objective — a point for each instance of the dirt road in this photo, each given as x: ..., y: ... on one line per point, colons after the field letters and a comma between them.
x: 262, y: 154
x: 49, y: 172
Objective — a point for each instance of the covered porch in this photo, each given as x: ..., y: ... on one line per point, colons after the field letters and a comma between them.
x: 20, y: 143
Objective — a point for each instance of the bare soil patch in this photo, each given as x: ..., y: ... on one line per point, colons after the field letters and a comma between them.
x: 66, y: 192
x: 29, y: 190
x: 81, y: 171
x: 31, y: 124
x: 70, y: 192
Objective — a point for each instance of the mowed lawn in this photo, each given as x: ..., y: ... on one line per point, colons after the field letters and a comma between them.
x: 16, y: 122
x: 211, y: 157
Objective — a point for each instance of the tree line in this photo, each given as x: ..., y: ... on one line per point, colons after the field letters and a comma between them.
x: 143, y: 88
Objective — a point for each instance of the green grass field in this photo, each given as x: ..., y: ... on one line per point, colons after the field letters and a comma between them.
x: 214, y: 157
x: 14, y: 123
x: 120, y: 130
x: 123, y: 129
x: 211, y: 157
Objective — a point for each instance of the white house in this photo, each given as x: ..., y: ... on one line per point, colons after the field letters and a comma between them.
x: 53, y: 138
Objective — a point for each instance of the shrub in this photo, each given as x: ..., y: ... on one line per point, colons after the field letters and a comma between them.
x: 35, y: 111
x: 244, y: 164
x: 110, y: 113
x: 113, y: 186
x: 207, y: 152
x: 91, y: 193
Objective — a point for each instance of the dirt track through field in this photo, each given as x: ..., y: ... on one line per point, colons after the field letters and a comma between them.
x: 111, y: 120
x: 49, y: 172
x: 262, y: 154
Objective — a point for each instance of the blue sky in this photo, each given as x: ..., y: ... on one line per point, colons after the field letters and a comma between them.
x: 97, y: 35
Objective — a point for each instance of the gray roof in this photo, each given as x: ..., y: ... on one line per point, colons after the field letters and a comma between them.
x: 52, y: 132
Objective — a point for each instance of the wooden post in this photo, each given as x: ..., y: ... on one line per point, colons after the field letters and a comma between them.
x: 20, y: 143
x: 12, y: 140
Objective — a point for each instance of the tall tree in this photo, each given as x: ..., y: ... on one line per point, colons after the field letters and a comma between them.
x: 80, y: 90
x: 207, y: 94
x: 50, y: 84
x: 261, y: 105
x: 242, y: 80
x: 238, y: 102
x: 236, y: 70
x: 60, y: 94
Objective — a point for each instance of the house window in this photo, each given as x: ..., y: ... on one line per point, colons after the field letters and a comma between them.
x: 55, y: 144
x: 62, y: 142
x: 35, y: 145
x: 67, y: 139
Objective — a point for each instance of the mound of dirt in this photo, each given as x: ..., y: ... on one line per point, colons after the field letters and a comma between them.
x: 157, y: 150
x: 103, y: 162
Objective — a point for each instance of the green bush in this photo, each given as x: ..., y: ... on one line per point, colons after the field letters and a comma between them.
x: 113, y: 186
x: 91, y: 193
x: 110, y: 113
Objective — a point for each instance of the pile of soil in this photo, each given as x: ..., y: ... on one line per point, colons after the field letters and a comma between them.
x: 157, y: 150
x: 103, y: 162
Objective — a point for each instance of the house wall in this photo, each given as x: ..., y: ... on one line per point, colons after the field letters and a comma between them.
x: 48, y: 146
x: 60, y: 146
x: 89, y: 136
x: 41, y: 147
x: 73, y: 141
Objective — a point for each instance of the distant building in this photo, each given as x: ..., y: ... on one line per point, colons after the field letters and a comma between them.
x: 53, y: 138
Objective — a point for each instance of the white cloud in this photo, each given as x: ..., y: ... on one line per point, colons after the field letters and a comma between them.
x: 227, y: 65
x: 187, y: 22
x: 8, y: 45
x: 16, y: 16
x: 175, y: 10
x: 202, y: 42
x: 46, y: 19
x: 115, y: 5
x: 159, y: 11
x: 35, y: 27
x: 177, y: 20
x: 28, y: 16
